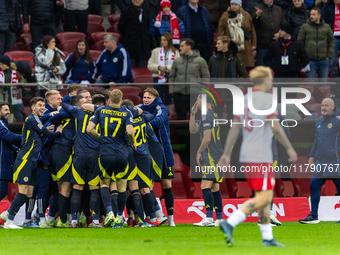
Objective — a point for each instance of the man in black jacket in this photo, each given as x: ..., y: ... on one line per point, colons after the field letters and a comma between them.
x: 134, y: 26
x: 9, y: 24
x: 286, y: 57
x: 42, y: 18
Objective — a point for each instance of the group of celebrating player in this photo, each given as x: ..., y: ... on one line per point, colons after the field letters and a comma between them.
x: 102, y: 154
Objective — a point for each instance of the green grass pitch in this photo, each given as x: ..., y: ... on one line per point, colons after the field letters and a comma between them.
x: 301, y: 239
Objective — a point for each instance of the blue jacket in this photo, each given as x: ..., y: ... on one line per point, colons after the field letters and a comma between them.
x: 78, y: 70
x: 166, y: 27
x: 184, y: 14
x: 160, y: 125
x: 115, y: 66
x: 6, y: 150
x: 327, y: 141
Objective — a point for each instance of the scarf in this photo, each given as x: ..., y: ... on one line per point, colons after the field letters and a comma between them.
x: 337, y: 21
x: 15, y: 93
x: 161, y: 62
x: 236, y: 31
x: 175, y: 33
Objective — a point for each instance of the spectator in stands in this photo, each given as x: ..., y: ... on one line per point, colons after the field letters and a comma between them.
x: 49, y: 66
x: 160, y: 65
x: 26, y: 72
x: 113, y: 65
x: 59, y: 17
x: 11, y: 94
x: 167, y: 22
x: 8, y: 139
x: 333, y: 20
x: 248, y: 5
x: 80, y: 65
x: 189, y: 65
x: 286, y: 56
x: 297, y: 15
x: 318, y: 3
x: 134, y: 26
x: 153, y: 6
x: 216, y: 9
x: 335, y: 89
x: 285, y: 6
x: 324, y: 155
x: 238, y: 25
x: 198, y: 27
x: 10, y: 23
x: 318, y: 39
x: 226, y: 63
x: 267, y: 18
x: 76, y: 14
x: 42, y: 19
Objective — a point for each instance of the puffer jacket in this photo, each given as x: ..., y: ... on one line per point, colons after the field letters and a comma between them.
x: 43, y: 64
x: 267, y: 24
x: 79, y: 5
x: 327, y: 142
x: 250, y: 4
x: 215, y: 8
x: 296, y: 17
x: 41, y: 11
x: 185, y: 68
x: 160, y: 125
x: 318, y: 40
x: 10, y: 19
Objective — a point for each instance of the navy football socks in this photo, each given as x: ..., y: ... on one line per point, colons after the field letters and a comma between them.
x: 75, y: 203
x: 136, y: 198
x: 121, y: 201
x: 18, y: 201
x: 149, y: 205
x: 114, y: 198
x: 95, y: 205
x: 208, y: 201
x: 106, y: 198
x: 169, y: 201
x: 218, y: 205
x: 64, y: 204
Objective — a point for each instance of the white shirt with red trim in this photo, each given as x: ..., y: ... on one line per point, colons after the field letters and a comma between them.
x: 257, y: 132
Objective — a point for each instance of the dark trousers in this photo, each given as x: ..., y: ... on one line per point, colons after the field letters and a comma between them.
x: 205, y: 51
x: 3, y: 189
x: 79, y: 18
x: 7, y: 41
x: 182, y: 105
x: 95, y: 7
x: 315, y: 186
x: 37, y: 32
x: 138, y: 62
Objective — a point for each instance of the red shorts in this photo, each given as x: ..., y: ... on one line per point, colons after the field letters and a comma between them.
x: 260, y: 176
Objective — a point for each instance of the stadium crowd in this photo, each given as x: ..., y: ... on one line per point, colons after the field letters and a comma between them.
x: 177, y: 41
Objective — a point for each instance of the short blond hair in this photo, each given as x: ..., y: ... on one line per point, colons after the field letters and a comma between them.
x: 259, y: 74
x: 224, y: 39
x: 152, y: 91
x: 51, y: 92
x: 115, y: 96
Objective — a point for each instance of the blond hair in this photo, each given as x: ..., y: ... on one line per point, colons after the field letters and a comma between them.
x: 152, y: 91
x: 51, y: 92
x: 259, y: 74
x: 115, y: 96
x: 224, y: 39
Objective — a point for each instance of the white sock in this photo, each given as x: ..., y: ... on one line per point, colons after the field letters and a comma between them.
x: 96, y: 222
x: 236, y: 218
x: 266, y: 231
x: 153, y: 220
x: 159, y: 213
x: 271, y: 212
x: 42, y: 220
x: 170, y: 218
x: 50, y: 219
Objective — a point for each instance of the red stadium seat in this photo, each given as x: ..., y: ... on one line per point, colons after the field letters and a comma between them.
x: 67, y: 36
x: 158, y: 190
x: 26, y: 47
x: 26, y: 111
x: 63, y: 92
x: 143, y: 79
x: 301, y: 179
x: 99, y: 36
x: 314, y: 107
x: 183, y: 187
x: 95, y: 19
x: 228, y: 178
x: 19, y: 54
x: 279, y: 186
x: 325, y: 91
x: 328, y: 189
x: 98, y: 46
x: 114, y: 18
x: 12, y: 191
x: 15, y: 47
x: 94, y: 27
x: 132, y: 90
x: 69, y: 46
x: 140, y: 71
x: 243, y: 191
x: 134, y: 98
x: 29, y: 60
x: 95, y: 54
x: 26, y: 101
x: 113, y: 28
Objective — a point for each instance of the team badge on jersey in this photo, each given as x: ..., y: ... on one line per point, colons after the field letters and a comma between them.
x: 329, y: 125
x: 40, y: 125
x: 26, y: 179
x: 115, y: 60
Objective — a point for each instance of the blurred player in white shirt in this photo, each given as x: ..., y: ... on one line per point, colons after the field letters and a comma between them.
x: 256, y: 153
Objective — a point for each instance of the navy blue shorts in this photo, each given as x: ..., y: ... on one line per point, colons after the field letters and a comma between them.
x: 113, y: 166
x: 60, y: 163
x: 144, y: 164
x: 157, y: 165
x: 85, y: 169
x: 25, y: 171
